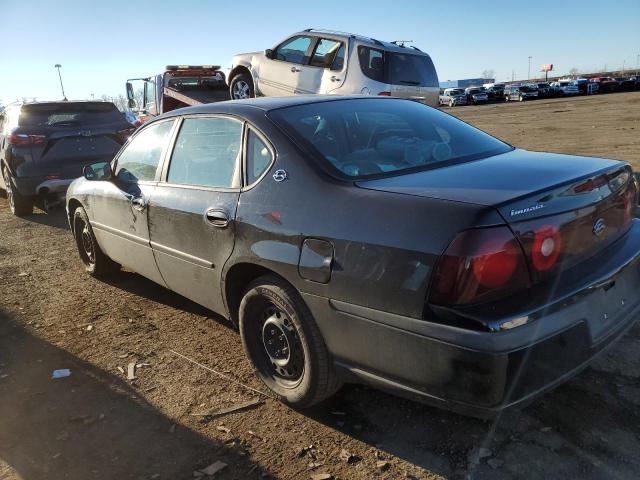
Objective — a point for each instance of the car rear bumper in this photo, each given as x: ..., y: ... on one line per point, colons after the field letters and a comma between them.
x: 41, y: 185
x: 482, y: 373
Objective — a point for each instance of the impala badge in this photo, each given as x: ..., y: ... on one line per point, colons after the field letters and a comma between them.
x: 280, y: 175
x: 599, y: 227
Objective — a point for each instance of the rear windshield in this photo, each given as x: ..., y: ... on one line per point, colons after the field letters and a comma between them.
x: 372, y: 137
x: 65, y: 114
x: 397, y: 68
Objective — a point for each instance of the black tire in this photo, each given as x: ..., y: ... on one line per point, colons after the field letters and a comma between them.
x: 284, y: 345
x: 521, y: 98
x: 241, y: 86
x: 451, y: 103
x: 20, y: 205
x: 96, y: 263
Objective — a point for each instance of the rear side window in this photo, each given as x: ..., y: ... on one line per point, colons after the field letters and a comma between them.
x: 69, y: 114
x: 294, y: 50
x: 259, y: 157
x: 206, y: 152
x: 140, y: 158
x: 325, y: 53
x: 371, y: 63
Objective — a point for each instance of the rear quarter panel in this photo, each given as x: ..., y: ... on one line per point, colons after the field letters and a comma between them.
x: 385, y: 244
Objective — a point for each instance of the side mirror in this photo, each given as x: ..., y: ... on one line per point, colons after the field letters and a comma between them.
x: 268, y: 53
x: 97, y: 171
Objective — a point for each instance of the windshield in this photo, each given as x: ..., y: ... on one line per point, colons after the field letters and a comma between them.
x: 524, y: 88
x: 457, y: 92
x: 366, y: 137
x: 52, y: 114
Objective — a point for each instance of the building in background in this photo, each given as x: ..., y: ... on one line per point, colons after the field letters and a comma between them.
x: 467, y: 82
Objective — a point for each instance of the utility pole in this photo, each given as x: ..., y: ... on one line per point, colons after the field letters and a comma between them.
x: 529, y: 71
x: 637, y: 63
x: 623, y: 65
x: 58, y: 66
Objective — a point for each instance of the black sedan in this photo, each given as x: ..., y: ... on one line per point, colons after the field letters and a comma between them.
x: 376, y: 240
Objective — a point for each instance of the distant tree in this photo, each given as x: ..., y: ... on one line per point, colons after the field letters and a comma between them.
x: 573, y: 72
x: 121, y: 102
x: 488, y: 73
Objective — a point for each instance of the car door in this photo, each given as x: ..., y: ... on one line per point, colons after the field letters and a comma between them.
x: 192, y: 210
x: 329, y: 57
x: 279, y: 75
x: 118, y: 210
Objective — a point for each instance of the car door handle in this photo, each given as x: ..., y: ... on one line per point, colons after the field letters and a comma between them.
x: 295, y: 69
x: 138, y: 203
x: 334, y: 78
x: 216, y: 217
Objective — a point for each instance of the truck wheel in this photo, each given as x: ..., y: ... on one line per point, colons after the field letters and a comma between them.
x: 20, y: 205
x: 96, y: 263
x: 284, y: 345
x: 241, y: 87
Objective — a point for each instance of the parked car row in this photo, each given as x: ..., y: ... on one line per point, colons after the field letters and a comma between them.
x: 565, y: 87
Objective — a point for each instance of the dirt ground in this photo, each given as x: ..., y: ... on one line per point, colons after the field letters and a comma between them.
x: 96, y: 424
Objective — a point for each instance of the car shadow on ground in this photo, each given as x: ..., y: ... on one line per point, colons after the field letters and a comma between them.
x: 56, y: 218
x: 143, y: 287
x: 91, y: 424
x: 586, y: 428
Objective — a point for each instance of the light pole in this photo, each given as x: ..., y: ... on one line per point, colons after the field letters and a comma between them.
x: 637, y: 63
x: 58, y: 66
x: 529, y: 71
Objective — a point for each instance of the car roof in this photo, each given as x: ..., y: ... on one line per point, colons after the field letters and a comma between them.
x: 267, y: 103
x: 389, y: 46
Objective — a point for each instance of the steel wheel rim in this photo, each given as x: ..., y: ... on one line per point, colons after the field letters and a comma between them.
x: 9, y: 190
x: 241, y: 90
x: 281, y: 348
x: 85, y: 242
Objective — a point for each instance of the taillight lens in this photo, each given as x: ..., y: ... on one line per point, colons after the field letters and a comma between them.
x: 479, y: 265
x: 22, y: 140
x: 384, y: 94
x: 546, y: 247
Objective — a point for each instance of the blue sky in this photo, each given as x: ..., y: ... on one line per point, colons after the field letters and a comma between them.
x: 101, y: 44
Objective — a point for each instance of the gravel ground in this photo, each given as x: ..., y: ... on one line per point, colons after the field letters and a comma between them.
x: 97, y: 424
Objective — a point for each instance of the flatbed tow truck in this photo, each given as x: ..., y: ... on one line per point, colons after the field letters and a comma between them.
x: 179, y: 86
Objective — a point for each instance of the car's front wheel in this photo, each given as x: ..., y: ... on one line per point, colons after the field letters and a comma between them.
x: 284, y: 345
x: 20, y: 205
x: 96, y: 263
x: 241, y: 87
x: 451, y: 103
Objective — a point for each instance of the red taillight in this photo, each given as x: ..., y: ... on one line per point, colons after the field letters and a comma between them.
x: 479, y: 265
x: 384, y: 94
x: 21, y: 139
x: 546, y: 247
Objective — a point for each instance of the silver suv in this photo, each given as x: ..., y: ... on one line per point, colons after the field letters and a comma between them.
x: 327, y: 62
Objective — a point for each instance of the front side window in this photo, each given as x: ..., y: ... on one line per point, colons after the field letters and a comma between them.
x: 206, y: 152
x: 140, y: 159
x: 294, y: 50
x: 259, y: 157
x: 149, y: 95
x: 338, y: 61
x: 325, y: 53
x: 365, y: 137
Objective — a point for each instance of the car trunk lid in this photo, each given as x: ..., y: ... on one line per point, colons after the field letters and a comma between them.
x: 584, y: 202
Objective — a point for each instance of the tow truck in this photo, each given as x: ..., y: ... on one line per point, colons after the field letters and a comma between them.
x: 179, y: 86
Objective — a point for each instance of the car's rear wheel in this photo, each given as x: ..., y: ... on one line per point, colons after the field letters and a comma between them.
x: 96, y: 263
x: 241, y: 87
x: 20, y: 205
x: 284, y: 345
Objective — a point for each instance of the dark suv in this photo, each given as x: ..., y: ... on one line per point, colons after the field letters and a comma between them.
x: 43, y: 147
